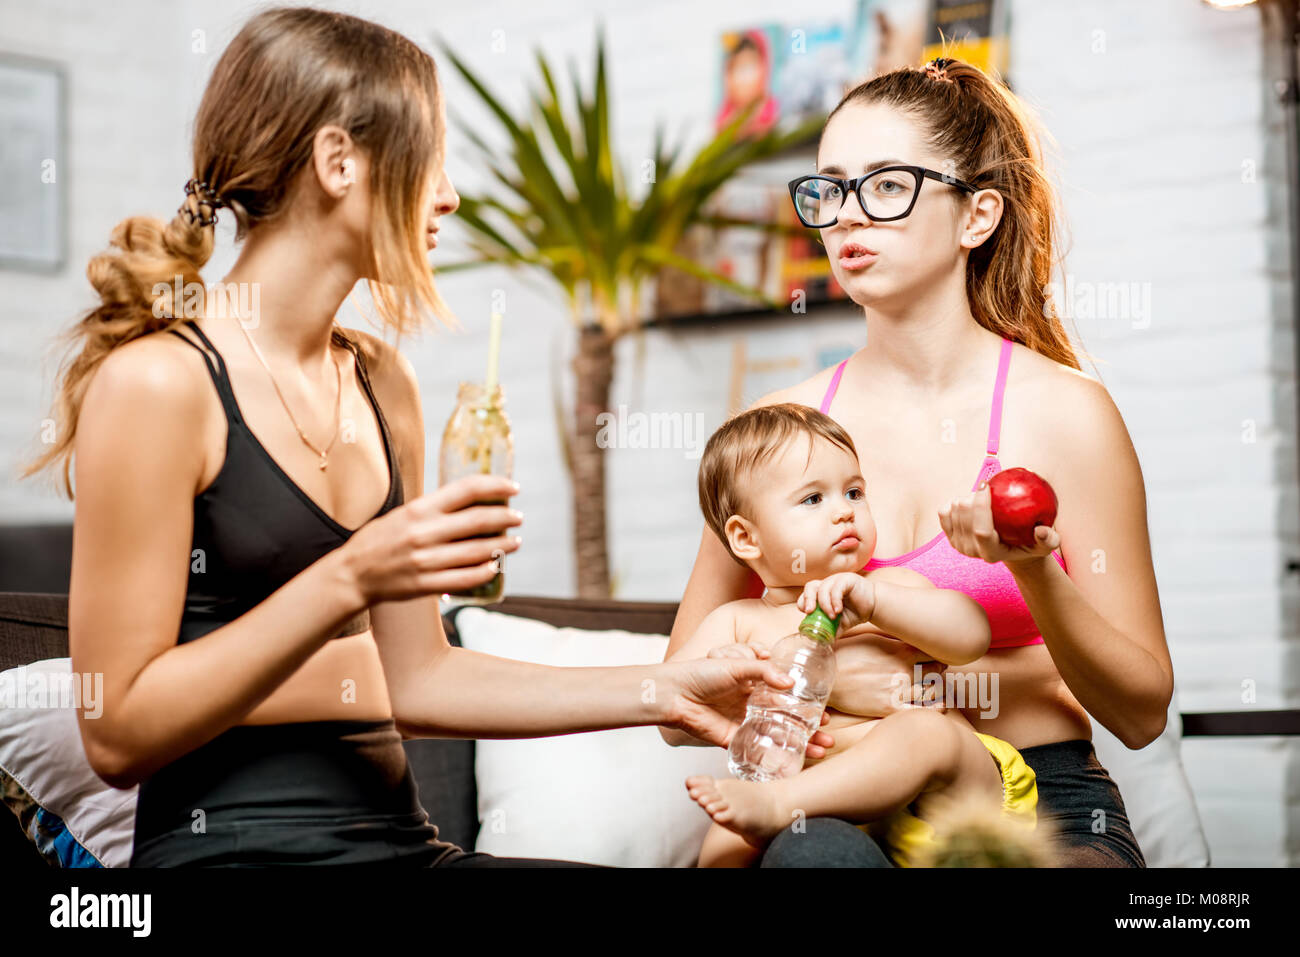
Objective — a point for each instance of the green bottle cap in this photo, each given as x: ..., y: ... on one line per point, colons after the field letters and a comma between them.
x: 817, y: 624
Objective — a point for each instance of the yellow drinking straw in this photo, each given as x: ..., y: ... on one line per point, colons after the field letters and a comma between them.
x: 494, y: 352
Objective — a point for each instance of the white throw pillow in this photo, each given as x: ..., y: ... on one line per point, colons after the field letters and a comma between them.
x: 1156, y: 793
x: 615, y: 797
x: 41, y: 749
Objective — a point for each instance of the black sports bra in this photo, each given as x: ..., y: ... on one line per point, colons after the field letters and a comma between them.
x: 254, y: 527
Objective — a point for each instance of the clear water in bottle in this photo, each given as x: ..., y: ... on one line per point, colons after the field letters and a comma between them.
x: 778, y: 723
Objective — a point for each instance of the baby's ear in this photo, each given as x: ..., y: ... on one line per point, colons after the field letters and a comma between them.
x: 742, y: 536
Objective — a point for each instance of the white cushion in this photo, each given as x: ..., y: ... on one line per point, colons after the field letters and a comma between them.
x: 615, y: 797
x: 1156, y: 793
x: 41, y: 749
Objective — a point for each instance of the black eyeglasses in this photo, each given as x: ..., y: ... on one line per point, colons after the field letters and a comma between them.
x: 891, y: 193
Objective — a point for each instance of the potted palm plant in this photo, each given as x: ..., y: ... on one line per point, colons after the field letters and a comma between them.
x: 561, y: 204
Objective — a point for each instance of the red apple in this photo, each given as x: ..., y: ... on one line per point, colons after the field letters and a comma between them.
x: 1021, y: 501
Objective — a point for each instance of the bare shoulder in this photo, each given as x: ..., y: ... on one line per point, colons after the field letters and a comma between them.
x: 1069, y: 409
x: 898, y: 575
x: 744, y: 614
x: 1046, y: 378
x: 149, y: 376
x: 148, y: 387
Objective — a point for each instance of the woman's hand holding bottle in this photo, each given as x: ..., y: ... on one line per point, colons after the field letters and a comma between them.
x: 427, y: 546
x: 708, y: 696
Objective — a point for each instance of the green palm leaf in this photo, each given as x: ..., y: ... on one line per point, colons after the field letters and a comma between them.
x: 560, y: 202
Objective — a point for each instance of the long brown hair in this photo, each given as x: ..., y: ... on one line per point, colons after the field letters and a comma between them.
x: 995, y: 142
x: 288, y: 72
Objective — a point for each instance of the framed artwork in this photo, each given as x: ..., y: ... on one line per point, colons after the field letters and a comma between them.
x: 801, y: 68
x: 33, y: 174
x: 976, y: 32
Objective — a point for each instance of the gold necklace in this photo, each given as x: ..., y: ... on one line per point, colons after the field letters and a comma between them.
x: 338, y: 401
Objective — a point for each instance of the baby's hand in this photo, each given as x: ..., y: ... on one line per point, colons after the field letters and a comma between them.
x: 738, y: 649
x: 846, y: 594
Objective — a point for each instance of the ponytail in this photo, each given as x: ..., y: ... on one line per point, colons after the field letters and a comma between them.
x: 136, y: 289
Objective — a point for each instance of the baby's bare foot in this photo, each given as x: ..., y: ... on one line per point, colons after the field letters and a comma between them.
x: 753, y: 810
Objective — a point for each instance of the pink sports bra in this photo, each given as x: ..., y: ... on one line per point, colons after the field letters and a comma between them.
x: 990, y: 584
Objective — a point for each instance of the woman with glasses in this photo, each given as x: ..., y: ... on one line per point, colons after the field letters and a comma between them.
x: 931, y: 199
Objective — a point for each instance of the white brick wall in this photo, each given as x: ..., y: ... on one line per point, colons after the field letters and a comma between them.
x: 126, y: 153
x: 1157, y: 134
x: 1160, y: 110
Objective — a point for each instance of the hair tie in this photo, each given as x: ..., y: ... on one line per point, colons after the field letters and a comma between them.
x: 207, y: 196
x: 935, y: 69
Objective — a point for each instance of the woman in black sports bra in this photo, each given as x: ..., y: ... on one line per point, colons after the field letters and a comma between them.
x: 255, y: 563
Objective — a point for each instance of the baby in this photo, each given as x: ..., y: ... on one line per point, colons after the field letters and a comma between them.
x: 781, y: 486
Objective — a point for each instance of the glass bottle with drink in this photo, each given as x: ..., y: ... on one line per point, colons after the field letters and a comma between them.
x: 477, y: 441
x: 778, y: 723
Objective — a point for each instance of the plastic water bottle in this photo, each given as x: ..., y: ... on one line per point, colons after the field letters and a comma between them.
x: 778, y: 723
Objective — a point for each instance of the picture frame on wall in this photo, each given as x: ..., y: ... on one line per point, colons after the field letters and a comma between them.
x: 33, y: 171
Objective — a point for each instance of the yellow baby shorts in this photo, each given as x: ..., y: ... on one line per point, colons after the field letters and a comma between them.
x: 902, y: 835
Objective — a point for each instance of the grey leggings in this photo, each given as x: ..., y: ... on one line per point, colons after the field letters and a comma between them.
x: 1072, y: 788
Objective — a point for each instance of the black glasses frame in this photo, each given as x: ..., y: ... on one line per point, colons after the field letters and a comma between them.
x: 855, y: 186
